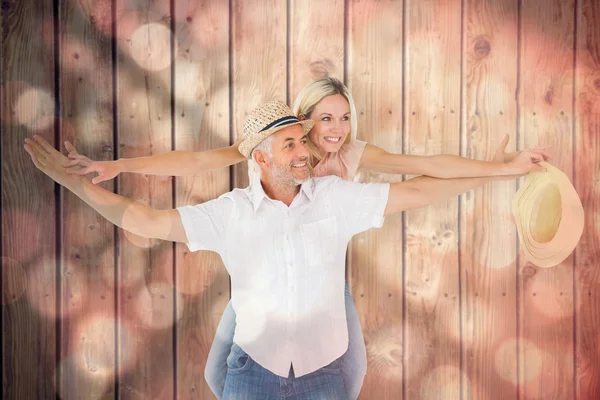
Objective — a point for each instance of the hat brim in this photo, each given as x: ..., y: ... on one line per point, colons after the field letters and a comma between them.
x: 549, y: 216
x: 248, y: 144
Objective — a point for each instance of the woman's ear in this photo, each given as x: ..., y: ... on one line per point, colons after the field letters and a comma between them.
x: 301, y: 117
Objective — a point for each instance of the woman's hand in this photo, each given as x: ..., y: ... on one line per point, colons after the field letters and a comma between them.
x: 49, y: 160
x: 81, y: 165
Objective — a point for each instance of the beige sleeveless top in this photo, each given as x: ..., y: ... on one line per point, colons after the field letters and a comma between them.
x: 344, y: 163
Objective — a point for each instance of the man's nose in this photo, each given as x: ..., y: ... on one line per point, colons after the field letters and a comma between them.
x: 301, y: 151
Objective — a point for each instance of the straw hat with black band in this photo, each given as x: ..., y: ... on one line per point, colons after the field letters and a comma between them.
x: 549, y: 216
x: 267, y: 119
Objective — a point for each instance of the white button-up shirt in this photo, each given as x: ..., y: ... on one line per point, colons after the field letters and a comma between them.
x: 287, y: 265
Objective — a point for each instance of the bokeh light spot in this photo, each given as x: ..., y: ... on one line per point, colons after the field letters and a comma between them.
x: 154, y: 305
x: 150, y: 47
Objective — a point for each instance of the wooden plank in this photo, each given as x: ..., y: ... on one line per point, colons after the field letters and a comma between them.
x: 257, y: 76
x: 546, y: 117
x: 432, y: 104
x: 28, y: 216
x: 586, y: 177
x: 488, y: 237
x: 87, y: 345
x: 201, y: 123
x: 375, y: 261
x: 316, y: 42
x: 145, y: 294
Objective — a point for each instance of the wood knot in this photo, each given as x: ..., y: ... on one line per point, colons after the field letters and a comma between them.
x: 482, y: 48
x: 321, y: 68
x: 549, y: 96
x: 107, y: 148
x: 529, y: 271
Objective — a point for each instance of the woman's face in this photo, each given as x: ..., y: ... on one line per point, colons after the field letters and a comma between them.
x: 332, y: 123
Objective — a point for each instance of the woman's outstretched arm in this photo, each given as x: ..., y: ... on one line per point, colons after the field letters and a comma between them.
x: 452, y: 166
x: 173, y: 163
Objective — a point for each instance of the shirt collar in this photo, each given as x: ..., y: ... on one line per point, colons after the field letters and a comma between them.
x: 257, y: 193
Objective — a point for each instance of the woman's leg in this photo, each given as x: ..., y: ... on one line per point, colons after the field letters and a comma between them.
x: 216, y: 364
x: 354, y: 361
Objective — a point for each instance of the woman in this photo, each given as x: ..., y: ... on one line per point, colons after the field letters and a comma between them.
x: 334, y: 151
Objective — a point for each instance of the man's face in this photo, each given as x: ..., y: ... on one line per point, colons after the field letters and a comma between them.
x: 289, y: 164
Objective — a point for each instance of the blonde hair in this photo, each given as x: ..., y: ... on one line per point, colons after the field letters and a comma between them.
x: 314, y: 92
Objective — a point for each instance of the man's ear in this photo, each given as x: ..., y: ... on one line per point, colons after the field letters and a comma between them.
x: 260, y: 158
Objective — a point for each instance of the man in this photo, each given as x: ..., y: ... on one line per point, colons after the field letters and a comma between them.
x: 283, y: 241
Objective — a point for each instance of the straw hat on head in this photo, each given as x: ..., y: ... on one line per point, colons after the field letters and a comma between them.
x: 549, y: 216
x: 267, y: 119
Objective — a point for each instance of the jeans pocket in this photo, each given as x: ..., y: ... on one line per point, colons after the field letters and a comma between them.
x: 335, y: 367
x: 238, y: 361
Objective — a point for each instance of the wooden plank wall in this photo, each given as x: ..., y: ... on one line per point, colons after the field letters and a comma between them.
x: 449, y: 306
x: 375, y: 258
x: 87, y: 249
x: 488, y: 247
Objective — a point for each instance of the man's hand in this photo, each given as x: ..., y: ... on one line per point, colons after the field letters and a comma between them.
x: 81, y: 165
x: 522, y: 161
x: 48, y: 160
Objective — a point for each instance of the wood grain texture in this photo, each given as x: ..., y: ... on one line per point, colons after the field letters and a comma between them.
x: 28, y: 214
x: 316, y: 35
x: 87, y: 346
x: 432, y: 101
x: 258, y: 67
x: 488, y: 236
x: 546, y: 117
x: 586, y: 177
x: 201, y: 123
x: 375, y: 257
x: 145, y: 293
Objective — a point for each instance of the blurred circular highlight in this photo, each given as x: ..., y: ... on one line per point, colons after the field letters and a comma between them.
x: 505, y: 360
x: 95, y: 385
x: 150, y: 47
x: 41, y: 290
x: 154, y: 306
x: 14, y: 280
x: 130, y: 217
x: 443, y: 381
x: 94, y: 352
x: 498, y: 232
x: 385, y: 352
x: 34, y: 108
x: 11, y: 92
x: 551, y: 292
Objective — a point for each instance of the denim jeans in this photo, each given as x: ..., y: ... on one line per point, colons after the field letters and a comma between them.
x: 353, y: 363
x: 247, y: 380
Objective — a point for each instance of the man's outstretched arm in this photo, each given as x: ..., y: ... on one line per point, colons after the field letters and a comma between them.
x: 423, y: 191
x: 130, y: 215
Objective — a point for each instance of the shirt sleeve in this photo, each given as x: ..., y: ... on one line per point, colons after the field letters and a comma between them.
x: 362, y: 204
x: 206, y: 223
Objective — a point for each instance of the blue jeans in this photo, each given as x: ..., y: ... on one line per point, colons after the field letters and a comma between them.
x: 353, y: 363
x: 247, y: 380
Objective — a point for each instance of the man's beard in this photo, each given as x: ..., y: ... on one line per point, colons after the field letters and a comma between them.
x: 284, y: 176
